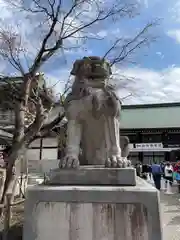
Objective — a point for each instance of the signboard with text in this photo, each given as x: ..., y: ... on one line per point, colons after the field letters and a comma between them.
x: 149, y: 145
x: 173, y: 145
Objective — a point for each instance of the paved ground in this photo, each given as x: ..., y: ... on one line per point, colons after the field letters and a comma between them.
x: 170, y: 210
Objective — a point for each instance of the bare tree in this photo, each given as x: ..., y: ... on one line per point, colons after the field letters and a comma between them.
x: 60, y: 23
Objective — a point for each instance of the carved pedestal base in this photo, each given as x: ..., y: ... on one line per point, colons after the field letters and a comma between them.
x: 93, y: 213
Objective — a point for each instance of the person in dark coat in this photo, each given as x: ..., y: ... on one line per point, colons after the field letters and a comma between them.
x: 156, y: 173
x: 144, y: 171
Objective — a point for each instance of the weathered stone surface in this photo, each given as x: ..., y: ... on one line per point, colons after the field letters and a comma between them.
x: 93, y: 112
x: 93, y: 175
x: 93, y: 213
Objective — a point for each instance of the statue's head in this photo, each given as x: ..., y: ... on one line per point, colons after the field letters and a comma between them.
x: 91, y: 67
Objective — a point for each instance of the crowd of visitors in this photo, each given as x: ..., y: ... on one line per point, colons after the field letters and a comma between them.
x: 169, y: 171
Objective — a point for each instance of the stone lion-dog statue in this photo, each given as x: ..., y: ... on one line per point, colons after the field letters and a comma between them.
x: 93, y: 112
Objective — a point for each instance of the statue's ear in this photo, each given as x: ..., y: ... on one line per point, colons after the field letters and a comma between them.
x: 75, y: 69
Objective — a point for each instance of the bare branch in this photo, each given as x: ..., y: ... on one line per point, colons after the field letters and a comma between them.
x: 10, y: 48
x: 129, y: 95
x: 35, y: 127
x: 53, y: 10
x: 121, y: 52
x: 48, y: 127
x: 40, y: 58
x: 19, y: 123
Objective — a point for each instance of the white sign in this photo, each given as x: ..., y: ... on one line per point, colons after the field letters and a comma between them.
x: 149, y: 145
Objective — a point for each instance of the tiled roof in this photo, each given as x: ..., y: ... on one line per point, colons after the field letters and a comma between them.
x: 165, y: 115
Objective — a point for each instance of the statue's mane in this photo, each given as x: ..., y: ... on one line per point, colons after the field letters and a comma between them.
x: 91, y: 67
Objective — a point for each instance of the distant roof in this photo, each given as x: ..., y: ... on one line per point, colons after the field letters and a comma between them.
x: 161, y: 115
x: 152, y: 105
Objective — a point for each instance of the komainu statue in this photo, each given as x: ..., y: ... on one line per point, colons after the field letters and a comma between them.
x: 93, y: 112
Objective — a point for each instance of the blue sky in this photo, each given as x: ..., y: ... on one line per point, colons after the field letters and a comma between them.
x: 156, y: 72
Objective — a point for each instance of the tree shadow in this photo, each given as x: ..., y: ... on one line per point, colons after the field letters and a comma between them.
x: 15, y: 233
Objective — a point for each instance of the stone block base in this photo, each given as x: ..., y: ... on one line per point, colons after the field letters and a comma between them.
x: 93, y: 175
x: 92, y: 213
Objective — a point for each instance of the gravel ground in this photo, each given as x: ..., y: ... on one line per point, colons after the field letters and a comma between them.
x: 15, y: 232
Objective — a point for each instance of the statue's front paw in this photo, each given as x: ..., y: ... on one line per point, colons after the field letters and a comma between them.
x: 116, y: 161
x: 126, y: 162
x: 69, y: 162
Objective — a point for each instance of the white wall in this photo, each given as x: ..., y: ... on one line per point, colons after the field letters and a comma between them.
x: 54, y: 113
x: 33, y: 154
x: 6, y: 117
x: 42, y: 166
x: 49, y: 149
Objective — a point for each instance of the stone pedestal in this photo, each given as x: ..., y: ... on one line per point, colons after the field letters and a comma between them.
x: 93, y: 175
x: 95, y: 212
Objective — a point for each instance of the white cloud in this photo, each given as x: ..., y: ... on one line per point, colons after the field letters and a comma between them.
x: 160, y: 54
x: 102, y: 33
x: 175, y: 34
x: 150, y: 86
x: 145, y: 85
x: 144, y: 2
x: 8, y: 11
x: 174, y: 10
x: 17, y: 22
x: 5, y: 11
x: 58, y: 79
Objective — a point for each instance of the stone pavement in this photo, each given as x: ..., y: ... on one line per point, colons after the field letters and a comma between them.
x: 170, y: 210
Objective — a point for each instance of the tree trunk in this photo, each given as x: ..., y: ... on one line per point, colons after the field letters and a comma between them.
x: 15, y: 153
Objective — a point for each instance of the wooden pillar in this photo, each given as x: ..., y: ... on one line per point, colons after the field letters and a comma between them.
x: 164, y: 138
x: 139, y: 140
x: 167, y: 156
x: 41, y: 147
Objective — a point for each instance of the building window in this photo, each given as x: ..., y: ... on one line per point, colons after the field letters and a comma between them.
x: 4, y: 115
x: 134, y: 157
x: 132, y: 138
x: 173, y: 138
x: 151, y: 138
x: 150, y: 157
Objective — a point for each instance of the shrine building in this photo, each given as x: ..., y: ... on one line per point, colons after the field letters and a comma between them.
x: 153, y: 130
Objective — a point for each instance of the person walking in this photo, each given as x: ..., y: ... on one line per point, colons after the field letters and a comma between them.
x: 144, y: 171
x: 162, y: 164
x: 177, y: 175
x: 139, y: 169
x: 156, y: 173
x: 168, y: 174
x: 149, y: 171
